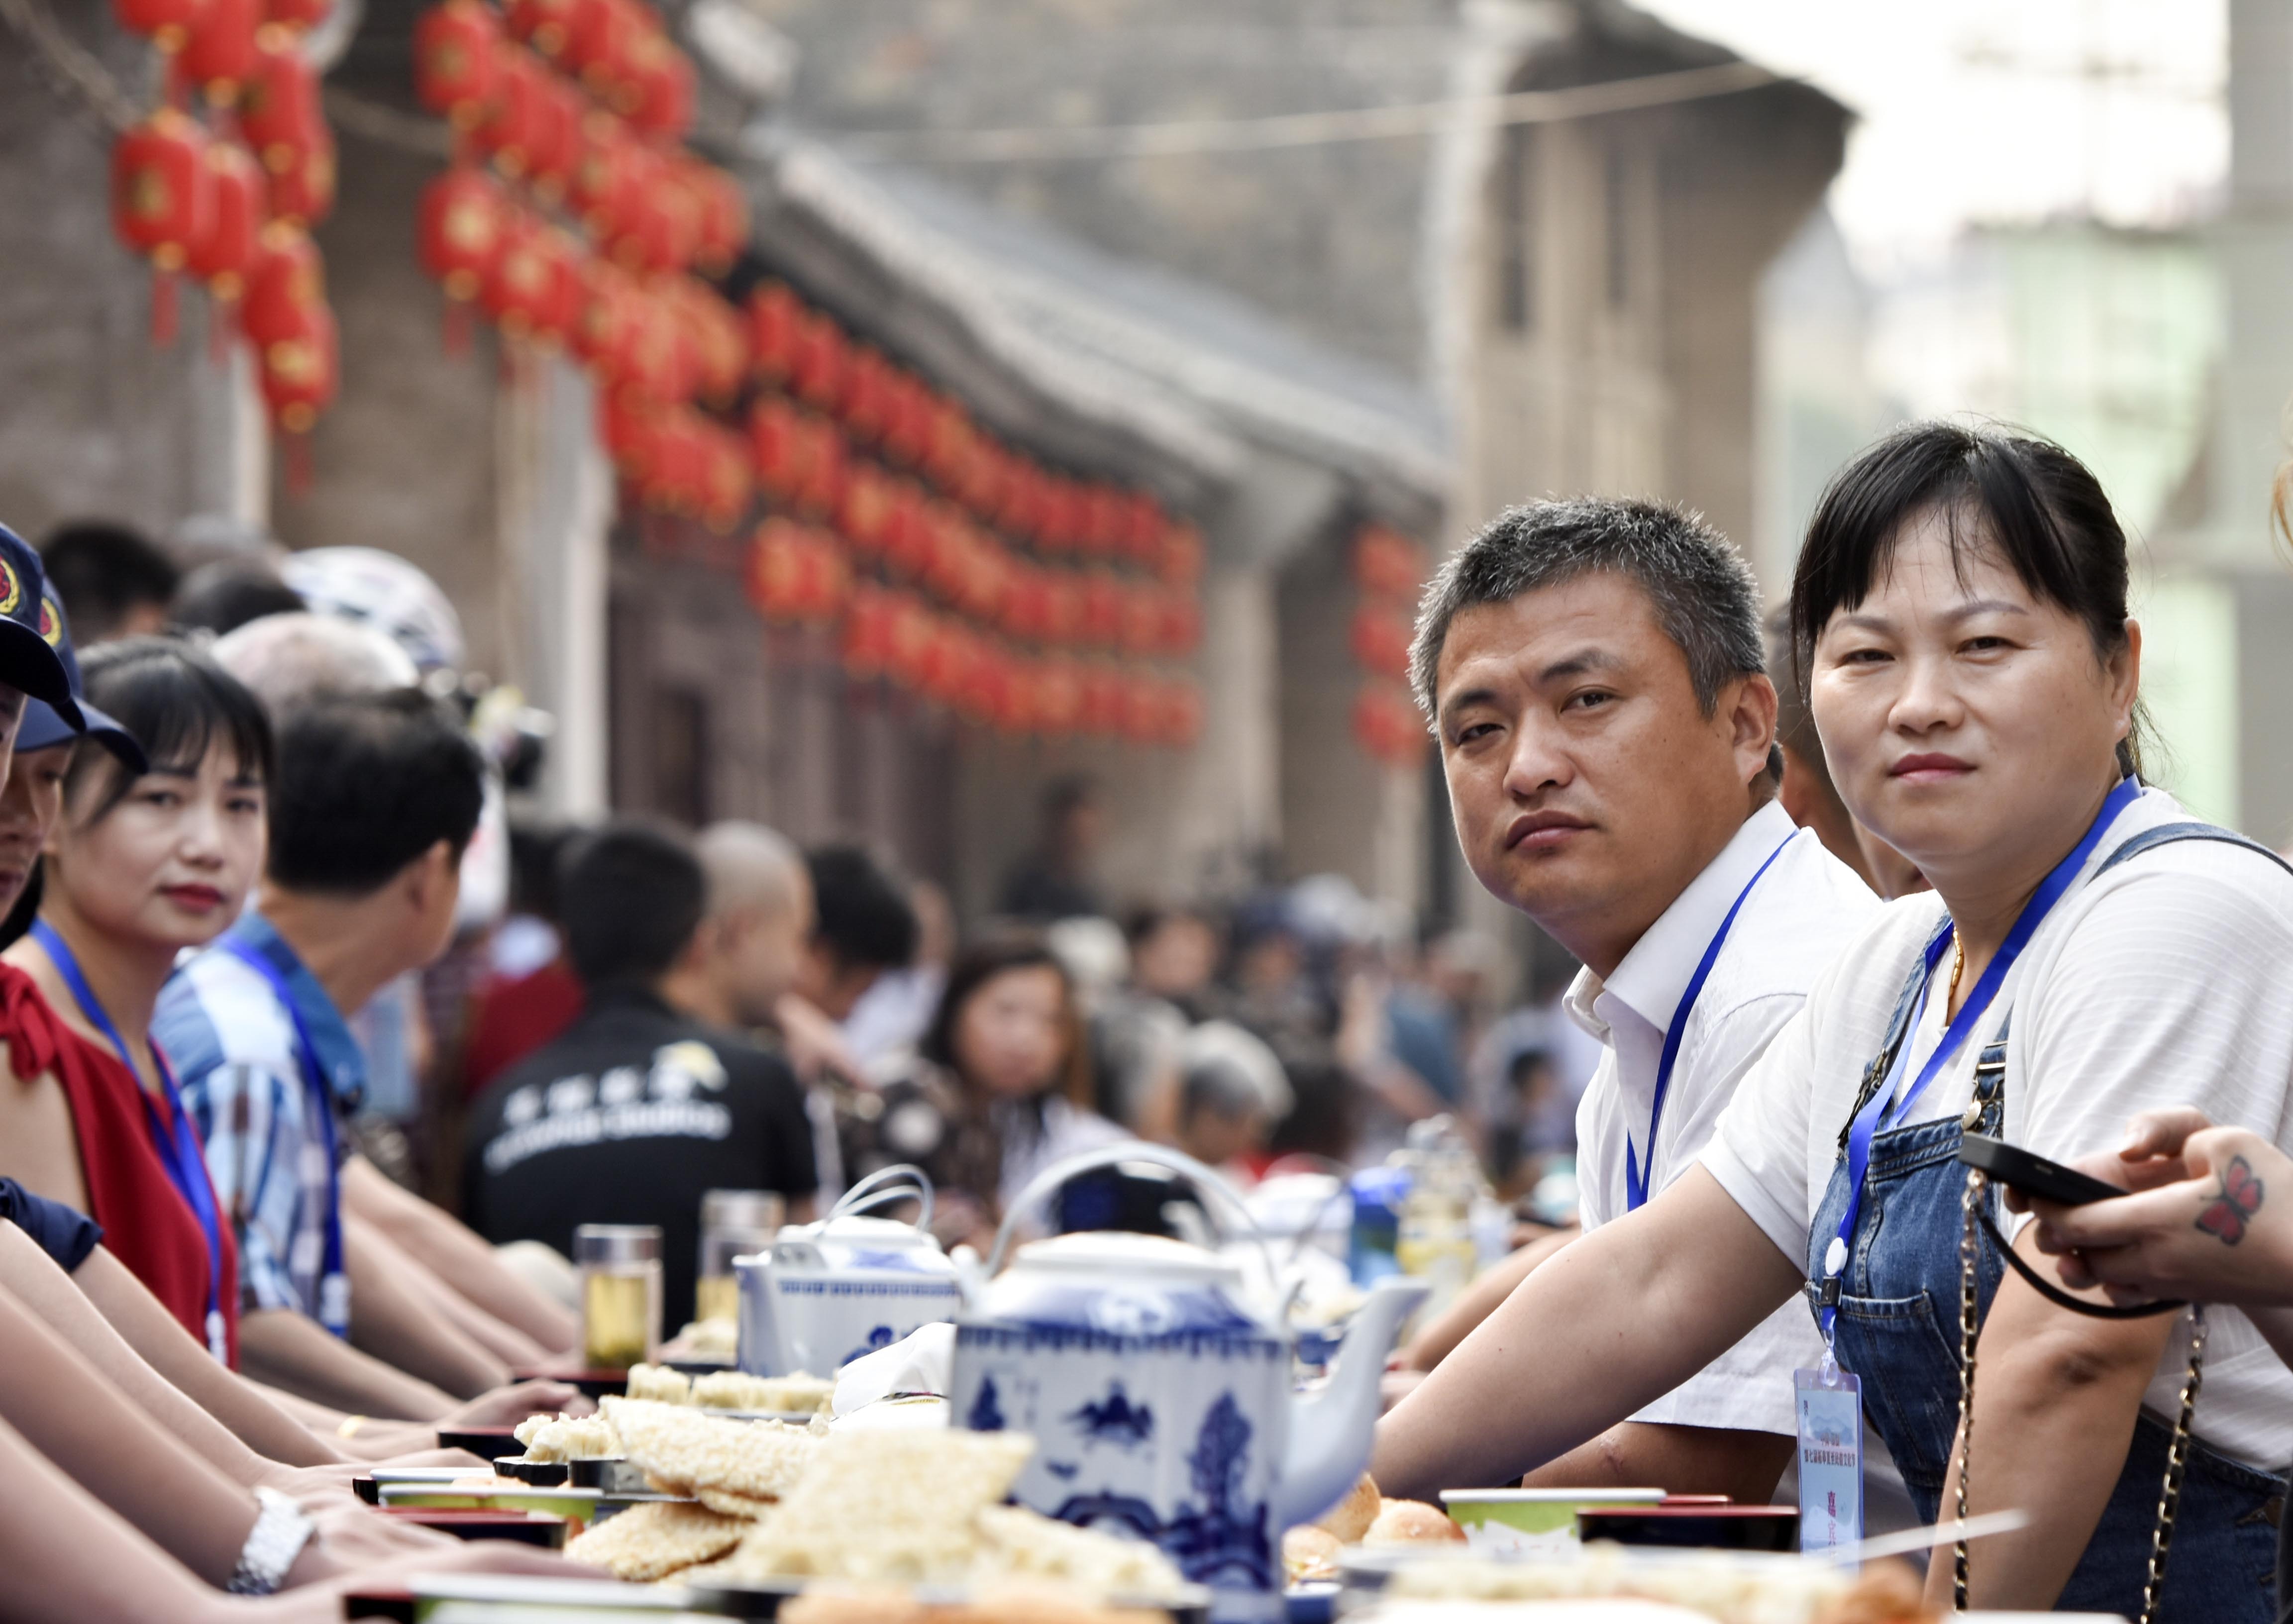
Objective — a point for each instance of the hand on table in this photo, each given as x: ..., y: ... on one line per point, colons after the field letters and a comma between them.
x: 507, y: 1406
x: 2209, y: 1218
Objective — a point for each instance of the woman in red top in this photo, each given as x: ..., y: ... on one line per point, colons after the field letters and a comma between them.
x: 137, y: 869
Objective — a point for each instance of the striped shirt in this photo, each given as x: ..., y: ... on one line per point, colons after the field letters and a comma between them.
x: 232, y: 1043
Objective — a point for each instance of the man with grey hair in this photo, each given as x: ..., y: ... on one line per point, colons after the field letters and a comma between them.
x: 759, y: 918
x: 1595, y: 674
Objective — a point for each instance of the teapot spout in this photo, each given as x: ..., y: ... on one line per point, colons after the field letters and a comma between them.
x: 1330, y: 1432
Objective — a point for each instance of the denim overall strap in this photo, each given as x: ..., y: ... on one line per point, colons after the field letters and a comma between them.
x: 1898, y: 1309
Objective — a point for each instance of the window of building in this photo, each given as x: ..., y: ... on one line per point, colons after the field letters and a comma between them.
x: 1517, y: 229
x: 1617, y: 213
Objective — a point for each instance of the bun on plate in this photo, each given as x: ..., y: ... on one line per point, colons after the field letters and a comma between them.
x: 1350, y: 1517
x: 1412, y: 1522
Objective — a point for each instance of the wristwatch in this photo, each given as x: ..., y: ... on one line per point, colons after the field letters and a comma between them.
x: 280, y: 1533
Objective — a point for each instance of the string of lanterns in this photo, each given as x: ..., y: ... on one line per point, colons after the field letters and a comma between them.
x: 229, y: 198
x: 948, y: 563
x: 1387, y: 571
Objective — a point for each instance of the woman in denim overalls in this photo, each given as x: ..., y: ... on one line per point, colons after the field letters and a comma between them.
x: 1960, y: 608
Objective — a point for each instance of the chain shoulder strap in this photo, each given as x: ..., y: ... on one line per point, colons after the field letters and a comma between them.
x: 2177, y: 1451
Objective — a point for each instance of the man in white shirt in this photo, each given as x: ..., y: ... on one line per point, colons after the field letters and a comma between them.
x: 1595, y: 672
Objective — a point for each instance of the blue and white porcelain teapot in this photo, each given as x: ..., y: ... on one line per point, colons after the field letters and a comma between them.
x: 827, y: 1292
x: 1160, y: 1392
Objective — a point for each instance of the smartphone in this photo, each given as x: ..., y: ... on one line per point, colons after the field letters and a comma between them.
x: 2012, y: 1165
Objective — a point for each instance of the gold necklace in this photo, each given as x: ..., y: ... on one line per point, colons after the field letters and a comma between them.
x: 1957, y: 964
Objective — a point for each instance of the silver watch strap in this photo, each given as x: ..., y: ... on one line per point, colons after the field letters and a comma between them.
x: 280, y: 1533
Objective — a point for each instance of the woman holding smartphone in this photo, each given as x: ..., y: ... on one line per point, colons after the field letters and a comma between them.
x: 1960, y: 609
x: 137, y: 868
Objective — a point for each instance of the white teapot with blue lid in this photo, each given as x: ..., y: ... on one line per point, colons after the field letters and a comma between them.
x: 1159, y: 1389
x: 827, y: 1292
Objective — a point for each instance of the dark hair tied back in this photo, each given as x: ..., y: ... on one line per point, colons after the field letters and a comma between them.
x: 2024, y: 499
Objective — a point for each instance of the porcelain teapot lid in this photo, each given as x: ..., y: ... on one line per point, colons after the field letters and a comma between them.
x: 855, y: 1229
x: 1113, y: 1257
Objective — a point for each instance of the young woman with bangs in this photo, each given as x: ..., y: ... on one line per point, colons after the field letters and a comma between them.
x: 2090, y: 950
x: 136, y: 868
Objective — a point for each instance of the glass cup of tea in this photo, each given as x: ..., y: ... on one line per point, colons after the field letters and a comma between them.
x: 621, y: 1293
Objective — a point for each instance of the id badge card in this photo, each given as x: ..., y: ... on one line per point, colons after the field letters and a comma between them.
x: 1828, y: 1403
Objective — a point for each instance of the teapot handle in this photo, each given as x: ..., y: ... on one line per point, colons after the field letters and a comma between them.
x: 1050, y: 1178
x: 885, y: 1184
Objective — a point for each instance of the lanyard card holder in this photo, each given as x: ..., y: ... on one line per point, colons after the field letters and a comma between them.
x: 1828, y: 1404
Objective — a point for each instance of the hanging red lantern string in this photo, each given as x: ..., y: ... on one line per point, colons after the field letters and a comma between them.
x: 298, y: 368
x: 774, y: 315
x: 162, y: 202
x: 656, y: 92
x: 297, y: 16
x: 304, y: 190
x: 224, y: 254
x: 512, y: 122
x: 279, y: 105
x: 545, y: 25
x: 555, y: 148
x: 724, y: 209
x: 287, y: 279
x: 599, y: 35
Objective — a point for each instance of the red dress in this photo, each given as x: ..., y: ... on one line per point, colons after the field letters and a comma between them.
x: 147, y: 1222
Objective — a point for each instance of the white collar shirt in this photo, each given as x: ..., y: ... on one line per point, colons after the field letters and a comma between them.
x: 1805, y: 908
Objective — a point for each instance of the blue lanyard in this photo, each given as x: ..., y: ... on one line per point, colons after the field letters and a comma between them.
x: 332, y: 1309
x: 179, y: 1149
x: 1883, y: 1112
x: 1636, y: 1182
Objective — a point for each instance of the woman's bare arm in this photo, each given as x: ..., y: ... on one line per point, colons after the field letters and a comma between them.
x: 392, y: 1321
x: 1612, y: 1322
x: 2055, y: 1398
x: 159, y: 1338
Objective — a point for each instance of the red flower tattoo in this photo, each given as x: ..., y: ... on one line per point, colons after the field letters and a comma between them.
x: 2241, y: 1198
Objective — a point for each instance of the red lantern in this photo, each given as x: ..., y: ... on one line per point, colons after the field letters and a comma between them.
x: 461, y: 225
x: 287, y: 276
x: 776, y: 569
x: 724, y: 217
x: 1142, y: 619
x: 1379, y: 640
x: 225, y: 252
x: 1102, y: 609
x: 606, y: 171
x: 166, y: 23
x: 516, y: 120
x: 1182, y: 624
x: 279, y: 106
x: 658, y: 357
x: 599, y: 36
x: 556, y: 146
x: 1180, y: 560
x: 457, y: 49
x: 866, y: 641
x: 542, y: 24
x: 219, y: 52
x: 817, y: 367
x: 715, y: 332
x: 162, y: 189
x: 1386, y: 563
x: 605, y: 331
x: 907, y: 417
x: 296, y: 15
x: 775, y: 317
x: 823, y: 472
x: 1062, y: 607
x: 658, y: 86
x: 516, y: 293
x: 299, y: 367
x: 729, y: 488
x: 777, y: 445
x: 865, y: 514
x: 304, y: 190
x: 162, y: 202
x: 629, y: 425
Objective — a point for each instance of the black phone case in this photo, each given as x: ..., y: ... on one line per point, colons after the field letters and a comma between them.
x: 2013, y: 1166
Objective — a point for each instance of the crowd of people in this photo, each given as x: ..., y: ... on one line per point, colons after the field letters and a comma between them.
x: 318, y: 1054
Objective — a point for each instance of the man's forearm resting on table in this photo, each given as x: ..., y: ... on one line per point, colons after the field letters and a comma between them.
x: 2055, y: 1398
x: 392, y: 1320
x: 1613, y: 1322
x: 287, y: 1349
x: 458, y: 1255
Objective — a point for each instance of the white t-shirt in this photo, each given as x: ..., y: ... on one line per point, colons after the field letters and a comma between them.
x: 1806, y: 907
x: 2167, y: 982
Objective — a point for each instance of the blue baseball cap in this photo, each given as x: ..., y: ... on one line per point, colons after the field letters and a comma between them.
x: 29, y: 657
x: 45, y: 725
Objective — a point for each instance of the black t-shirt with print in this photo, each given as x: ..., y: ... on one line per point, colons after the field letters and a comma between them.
x: 627, y: 1118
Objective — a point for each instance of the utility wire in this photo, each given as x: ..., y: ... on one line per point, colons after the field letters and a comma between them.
x: 70, y: 66
x: 1061, y: 142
